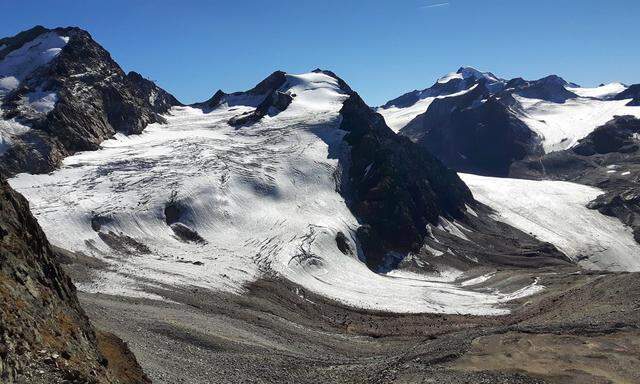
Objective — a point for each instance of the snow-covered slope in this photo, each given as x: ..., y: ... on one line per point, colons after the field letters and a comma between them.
x: 556, y: 212
x: 197, y: 202
x: 15, y: 66
x: 603, y: 91
x: 560, y: 126
x: 20, y: 63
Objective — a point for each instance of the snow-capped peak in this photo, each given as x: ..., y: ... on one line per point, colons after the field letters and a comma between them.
x: 469, y: 73
x: 472, y: 73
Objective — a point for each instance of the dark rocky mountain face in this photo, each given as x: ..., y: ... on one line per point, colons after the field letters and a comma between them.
x: 608, y: 158
x: 400, y: 193
x: 93, y: 99
x: 474, y: 132
x: 395, y: 188
x: 550, y: 88
x: 45, y: 337
x: 633, y: 92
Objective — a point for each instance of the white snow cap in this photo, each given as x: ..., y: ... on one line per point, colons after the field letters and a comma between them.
x: 466, y: 72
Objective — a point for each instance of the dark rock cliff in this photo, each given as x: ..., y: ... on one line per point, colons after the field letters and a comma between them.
x: 95, y: 99
x: 473, y: 136
x: 45, y: 337
x: 633, y: 93
x: 394, y: 188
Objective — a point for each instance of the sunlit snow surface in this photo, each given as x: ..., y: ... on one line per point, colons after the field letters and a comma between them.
x: 561, y: 125
x: 19, y: 63
x: 602, y: 92
x: 556, y: 212
x: 263, y: 197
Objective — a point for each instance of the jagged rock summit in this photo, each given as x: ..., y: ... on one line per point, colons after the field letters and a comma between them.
x: 61, y: 92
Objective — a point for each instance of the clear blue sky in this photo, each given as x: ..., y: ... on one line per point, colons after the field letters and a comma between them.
x: 381, y: 48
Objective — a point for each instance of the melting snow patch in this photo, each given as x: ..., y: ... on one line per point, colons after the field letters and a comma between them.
x: 41, y: 102
x: 8, y: 130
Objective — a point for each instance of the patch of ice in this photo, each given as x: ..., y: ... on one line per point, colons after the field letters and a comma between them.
x: 9, y: 129
x: 478, y: 280
x: 8, y: 84
x: 453, y: 228
x: 450, y: 76
x: 41, y: 102
x: 556, y: 212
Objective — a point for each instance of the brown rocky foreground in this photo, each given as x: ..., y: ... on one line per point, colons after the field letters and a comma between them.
x: 583, y: 328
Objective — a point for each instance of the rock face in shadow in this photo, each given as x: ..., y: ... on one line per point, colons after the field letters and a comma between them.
x: 474, y: 123
x: 633, y: 92
x: 607, y: 158
x: 472, y: 136
x: 94, y: 99
x: 394, y: 188
x: 45, y: 337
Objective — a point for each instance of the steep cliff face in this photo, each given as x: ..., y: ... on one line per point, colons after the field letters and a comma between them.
x: 633, y: 93
x: 395, y: 188
x: 61, y: 92
x: 45, y: 337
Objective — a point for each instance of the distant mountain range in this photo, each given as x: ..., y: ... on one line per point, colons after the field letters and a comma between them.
x: 476, y: 122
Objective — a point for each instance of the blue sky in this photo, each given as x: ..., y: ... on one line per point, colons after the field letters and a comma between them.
x: 381, y: 48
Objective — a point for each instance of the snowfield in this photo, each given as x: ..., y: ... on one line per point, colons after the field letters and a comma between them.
x: 561, y: 125
x: 262, y: 197
x: 556, y: 212
x: 602, y: 92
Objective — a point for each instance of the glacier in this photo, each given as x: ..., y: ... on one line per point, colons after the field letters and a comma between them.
x: 262, y: 200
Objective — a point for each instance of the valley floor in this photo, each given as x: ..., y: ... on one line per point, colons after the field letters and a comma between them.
x: 583, y: 328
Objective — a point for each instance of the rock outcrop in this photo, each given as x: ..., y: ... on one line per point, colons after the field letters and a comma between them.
x: 45, y: 337
x: 68, y: 98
